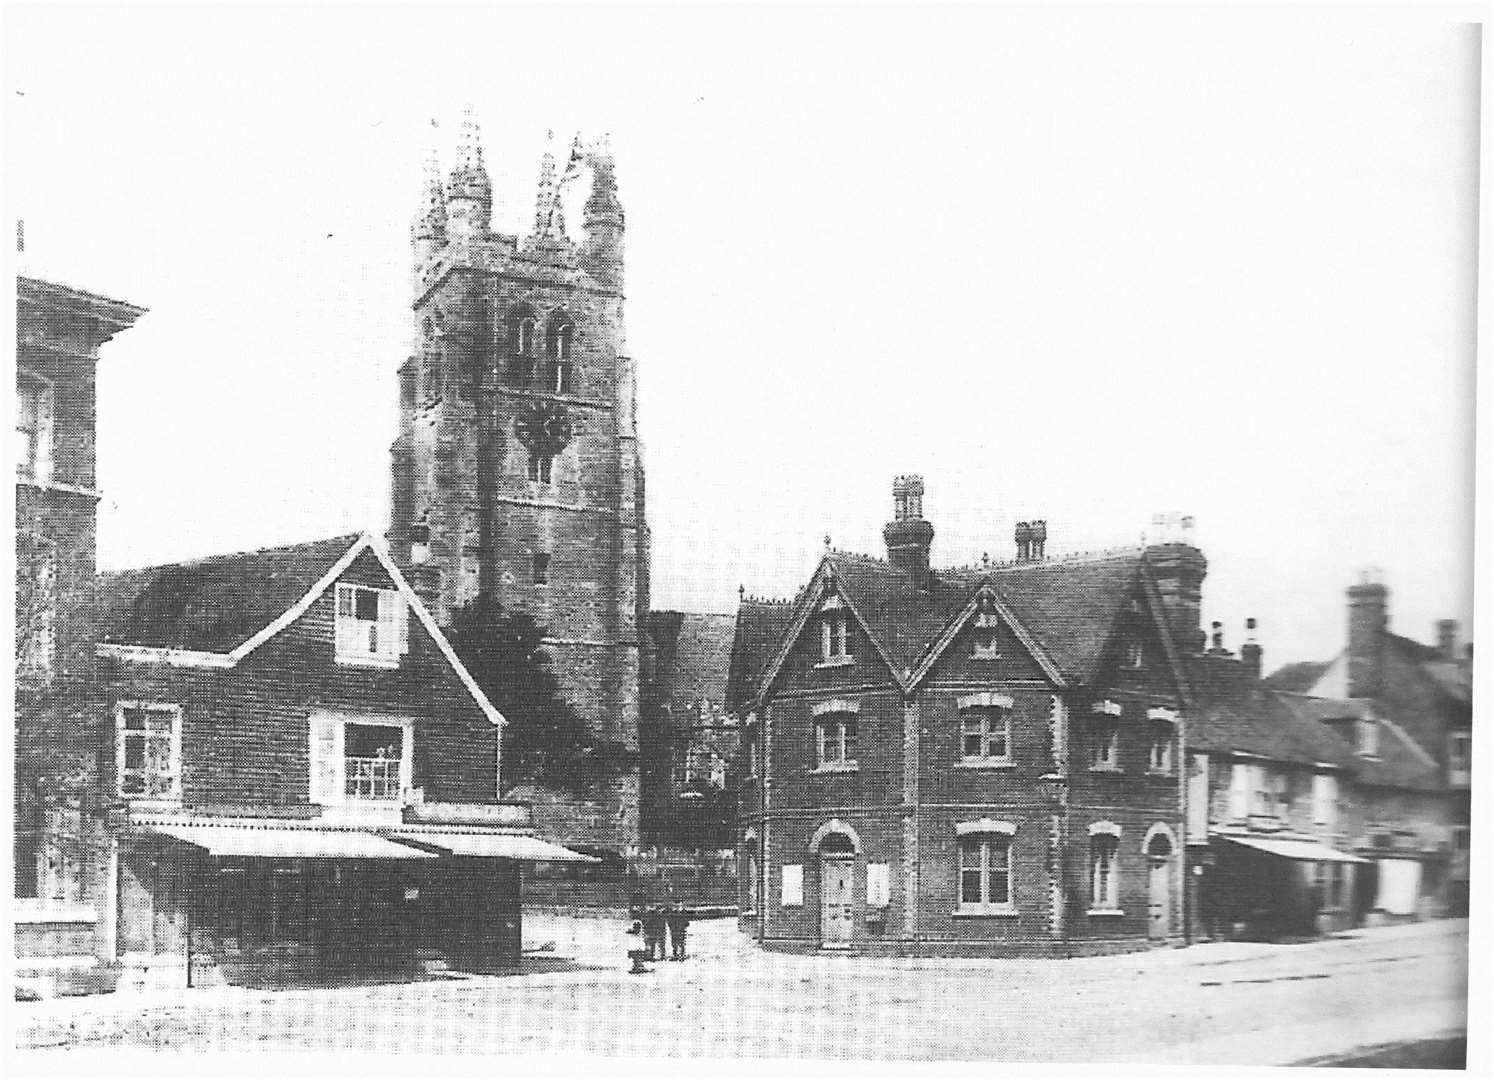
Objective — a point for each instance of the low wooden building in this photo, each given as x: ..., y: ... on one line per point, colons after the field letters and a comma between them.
x: 303, y: 776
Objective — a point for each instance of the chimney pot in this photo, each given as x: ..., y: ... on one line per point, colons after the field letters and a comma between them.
x: 1447, y: 638
x: 907, y: 535
x: 1250, y: 652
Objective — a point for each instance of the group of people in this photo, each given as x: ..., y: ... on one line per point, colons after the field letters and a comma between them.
x: 653, y: 920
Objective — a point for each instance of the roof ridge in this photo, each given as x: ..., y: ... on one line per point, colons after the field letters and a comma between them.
x: 348, y: 538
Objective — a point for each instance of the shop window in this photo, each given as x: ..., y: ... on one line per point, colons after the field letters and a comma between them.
x: 148, y: 751
x: 360, y: 761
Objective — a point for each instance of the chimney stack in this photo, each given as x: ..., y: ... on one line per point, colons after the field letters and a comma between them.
x: 1250, y: 652
x: 1216, y: 639
x: 1039, y: 540
x: 1179, y: 568
x: 1447, y: 638
x: 1368, y: 621
x: 907, y: 535
x: 1023, y: 536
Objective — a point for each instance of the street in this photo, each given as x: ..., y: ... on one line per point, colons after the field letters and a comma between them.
x: 1227, y: 1003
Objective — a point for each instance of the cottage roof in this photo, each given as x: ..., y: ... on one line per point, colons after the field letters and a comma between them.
x: 1234, y: 712
x: 214, y: 612
x: 1399, y: 761
x: 212, y: 604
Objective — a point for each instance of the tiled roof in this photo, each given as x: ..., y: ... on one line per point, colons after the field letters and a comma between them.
x: 1233, y: 712
x: 694, y: 655
x: 760, y: 626
x: 212, y: 604
x: 1068, y: 605
x: 1398, y: 762
x: 1299, y: 677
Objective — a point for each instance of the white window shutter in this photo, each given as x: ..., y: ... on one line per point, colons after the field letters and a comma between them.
x: 1239, y: 791
x: 325, y: 761
x: 878, y: 885
x: 793, y: 886
x: 402, y: 623
x: 391, y: 620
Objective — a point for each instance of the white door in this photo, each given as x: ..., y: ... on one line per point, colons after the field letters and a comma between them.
x: 837, y: 921
x: 1400, y: 886
x: 1159, y: 908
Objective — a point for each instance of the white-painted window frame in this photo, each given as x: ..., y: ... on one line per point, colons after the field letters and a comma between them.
x: 991, y: 845
x: 334, y: 755
x: 388, y: 627
x: 174, y: 751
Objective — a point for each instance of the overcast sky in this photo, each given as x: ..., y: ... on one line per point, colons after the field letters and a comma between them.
x: 1082, y: 266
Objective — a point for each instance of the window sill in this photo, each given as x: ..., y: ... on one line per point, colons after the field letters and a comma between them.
x: 835, y: 767
x: 1159, y: 772
x: 1106, y: 911
x: 985, y: 763
x: 836, y: 661
x: 986, y: 656
x: 387, y: 662
x: 985, y: 911
x: 1114, y: 770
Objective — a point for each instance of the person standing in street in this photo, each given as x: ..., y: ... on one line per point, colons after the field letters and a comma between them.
x: 678, y: 920
x: 653, y: 931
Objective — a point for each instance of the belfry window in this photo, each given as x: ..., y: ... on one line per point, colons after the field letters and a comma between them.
x: 524, y: 337
x: 540, y: 467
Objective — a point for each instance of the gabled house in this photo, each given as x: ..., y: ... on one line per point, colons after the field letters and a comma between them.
x: 968, y: 761
x: 1407, y: 710
x: 303, y: 776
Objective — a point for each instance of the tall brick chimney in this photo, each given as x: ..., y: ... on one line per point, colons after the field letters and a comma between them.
x: 908, y: 536
x: 1368, y: 620
x: 1447, y: 638
x: 1250, y: 652
x: 1179, y: 569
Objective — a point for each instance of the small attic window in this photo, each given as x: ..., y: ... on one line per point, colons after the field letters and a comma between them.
x: 1134, y: 656
x: 1367, y: 736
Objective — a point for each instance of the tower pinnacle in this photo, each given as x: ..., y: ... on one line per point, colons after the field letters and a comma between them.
x: 469, y: 192
x: 602, y: 254
x: 549, y: 215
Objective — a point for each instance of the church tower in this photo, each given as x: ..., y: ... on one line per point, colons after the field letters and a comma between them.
x: 517, y: 469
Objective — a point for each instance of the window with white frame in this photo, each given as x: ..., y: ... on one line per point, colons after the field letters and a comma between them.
x: 985, y: 734
x: 1133, y: 656
x: 1104, y: 744
x: 1159, y: 747
x: 985, y: 873
x: 364, y: 760
x: 1104, y: 874
x: 983, y: 638
x: 1368, y: 734
x: 369, y: 625
x: 33, y: 428
x: 835, y: 740
x: 148, y: 750
x: 835, y: 631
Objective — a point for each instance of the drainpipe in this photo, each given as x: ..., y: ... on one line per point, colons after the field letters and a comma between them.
x: 1185, y: 872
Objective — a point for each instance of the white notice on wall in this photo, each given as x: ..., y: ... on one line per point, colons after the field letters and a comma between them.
x: 793, y: 886
x: 878, y: 889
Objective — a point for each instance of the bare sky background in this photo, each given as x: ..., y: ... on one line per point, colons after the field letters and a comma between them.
x: 1082, y: 266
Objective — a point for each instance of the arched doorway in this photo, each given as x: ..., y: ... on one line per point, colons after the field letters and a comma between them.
x: 1159, y: 885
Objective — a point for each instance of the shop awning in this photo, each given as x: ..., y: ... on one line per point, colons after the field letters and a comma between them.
x: 496, y: 845
x: 271, y: 843
x: 1301, y: 850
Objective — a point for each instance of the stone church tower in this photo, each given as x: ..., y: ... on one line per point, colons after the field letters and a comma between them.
x: 517, y: 468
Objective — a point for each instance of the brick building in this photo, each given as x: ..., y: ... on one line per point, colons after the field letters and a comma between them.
x: 59, y: 331
x: 969, y: 761
x: 516, y: 472
x: 303, y: 775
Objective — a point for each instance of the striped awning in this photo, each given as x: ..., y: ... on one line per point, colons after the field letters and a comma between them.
x: 282, y: 843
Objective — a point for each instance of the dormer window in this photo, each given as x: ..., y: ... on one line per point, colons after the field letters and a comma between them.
x: 368, y: 625
x: 1367, y: 734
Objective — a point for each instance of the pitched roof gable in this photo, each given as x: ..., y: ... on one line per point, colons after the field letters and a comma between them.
x: 1236, y: 713
x: 694, y: 654
x: 179, y: 613
x: 760, y: 627
x: 952, y: 630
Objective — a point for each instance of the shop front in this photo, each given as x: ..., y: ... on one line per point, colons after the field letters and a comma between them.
x: 1272, y: 887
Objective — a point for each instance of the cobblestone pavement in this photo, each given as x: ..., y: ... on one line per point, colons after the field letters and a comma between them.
x: 1228, y: 1003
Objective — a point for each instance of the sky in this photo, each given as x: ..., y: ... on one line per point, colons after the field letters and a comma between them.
x: 1087, y: 266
